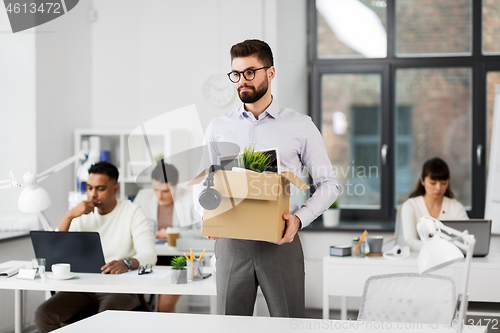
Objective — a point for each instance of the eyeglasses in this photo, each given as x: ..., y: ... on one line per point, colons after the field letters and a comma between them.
x: 145, y: 269
x: 248, y: 74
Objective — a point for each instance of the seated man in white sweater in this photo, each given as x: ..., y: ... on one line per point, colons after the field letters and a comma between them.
x: 127, y: 243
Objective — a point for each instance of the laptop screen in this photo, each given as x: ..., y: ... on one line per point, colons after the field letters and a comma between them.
x: 481, y: 229
x: 82, y: 249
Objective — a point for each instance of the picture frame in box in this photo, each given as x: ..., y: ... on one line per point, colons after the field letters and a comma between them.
x: 228, y: 162
x: 275, y: 166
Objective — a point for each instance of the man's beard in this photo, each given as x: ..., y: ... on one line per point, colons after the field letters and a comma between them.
x: 253, y: 95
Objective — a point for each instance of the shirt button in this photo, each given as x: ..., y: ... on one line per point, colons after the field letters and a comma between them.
x: 255, y: 123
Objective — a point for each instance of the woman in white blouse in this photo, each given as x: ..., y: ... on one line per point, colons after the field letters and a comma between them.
x: 432, y: 197
x: 168, y: 205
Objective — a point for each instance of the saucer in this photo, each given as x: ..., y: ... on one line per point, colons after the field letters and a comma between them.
x: 63, y: 277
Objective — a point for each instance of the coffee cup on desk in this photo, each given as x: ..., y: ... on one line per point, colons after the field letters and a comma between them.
x: 172, y: 235
x: 375, y: 244
x: 61, y: 270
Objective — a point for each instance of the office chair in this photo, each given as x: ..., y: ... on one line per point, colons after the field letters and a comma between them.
x: 408, y: 298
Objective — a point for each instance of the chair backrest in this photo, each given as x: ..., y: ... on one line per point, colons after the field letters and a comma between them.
x: 408, y: 298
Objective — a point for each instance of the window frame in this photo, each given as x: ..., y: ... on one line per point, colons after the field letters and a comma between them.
x: 479, y: 64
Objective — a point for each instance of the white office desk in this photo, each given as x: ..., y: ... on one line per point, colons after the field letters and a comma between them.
x: 165, y: 250
x: 107, y: 283
x: 133, y: 322
x: 346, y: 276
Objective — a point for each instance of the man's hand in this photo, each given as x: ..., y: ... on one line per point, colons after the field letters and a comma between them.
x: 84, y: 207
x: 292, y: 224
x: 114, y: 267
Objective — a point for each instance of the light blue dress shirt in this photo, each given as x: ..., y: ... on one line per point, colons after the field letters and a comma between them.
x: 299, y: 144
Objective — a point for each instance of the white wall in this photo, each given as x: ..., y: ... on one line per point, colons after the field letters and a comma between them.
x: 17, y: 108
x: 63, y: 79
x: 152, y: 59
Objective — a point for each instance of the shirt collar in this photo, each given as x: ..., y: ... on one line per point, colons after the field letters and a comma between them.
x: 272, y: 110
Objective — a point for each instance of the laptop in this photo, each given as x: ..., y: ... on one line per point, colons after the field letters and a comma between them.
x: 481, y: 229
x: 81, y: 249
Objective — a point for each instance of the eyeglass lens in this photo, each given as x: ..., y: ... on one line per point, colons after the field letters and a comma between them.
x: 249, y: 75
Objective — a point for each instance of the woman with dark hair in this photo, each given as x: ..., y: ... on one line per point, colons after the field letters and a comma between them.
x: 432, y: 197
x: 158, y: 203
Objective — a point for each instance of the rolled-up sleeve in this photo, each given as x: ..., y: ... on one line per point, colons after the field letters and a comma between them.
x: 315, y: 157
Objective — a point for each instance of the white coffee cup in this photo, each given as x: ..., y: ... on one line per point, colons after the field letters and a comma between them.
x: 61, y: 270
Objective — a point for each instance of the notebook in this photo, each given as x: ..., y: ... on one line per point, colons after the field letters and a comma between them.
x: 481, y: 229
x: 81, y: 249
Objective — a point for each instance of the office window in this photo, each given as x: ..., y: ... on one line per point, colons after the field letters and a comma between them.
x: 491, y: 26
x: 424, y: 96
x: 438, y: 124
x: 351, y: 29
x: 404, y: 159
x: 433, y: 27
x: 350, y: 116
x: 492, y: 79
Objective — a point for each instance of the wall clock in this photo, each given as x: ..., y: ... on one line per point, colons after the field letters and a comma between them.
x: 218, y: 90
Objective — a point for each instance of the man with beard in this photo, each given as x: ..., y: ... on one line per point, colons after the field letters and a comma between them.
x: 243, y: 265
x: 127, y: 242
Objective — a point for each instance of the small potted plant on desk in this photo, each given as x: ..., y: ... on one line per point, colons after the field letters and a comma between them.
x: 331, y: 216
x: 179, y: 272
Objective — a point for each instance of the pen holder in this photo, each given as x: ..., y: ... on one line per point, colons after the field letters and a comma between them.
x: 195, y: 270
x: 358, y: 249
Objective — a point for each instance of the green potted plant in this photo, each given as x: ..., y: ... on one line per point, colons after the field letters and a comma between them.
x: 253, y: 160
x: 179, y: 272
x: 331, y: 216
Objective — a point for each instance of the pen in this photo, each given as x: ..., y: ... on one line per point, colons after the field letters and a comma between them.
x: 360, y: 240
x: 201, y: 255
x: 191, y: 250
x: 198, y: 272
x: 363, y: 236
x: 187, y: 258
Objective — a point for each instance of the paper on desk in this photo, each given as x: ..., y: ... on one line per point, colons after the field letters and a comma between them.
x: 156, y: 274
x: 9, y: 271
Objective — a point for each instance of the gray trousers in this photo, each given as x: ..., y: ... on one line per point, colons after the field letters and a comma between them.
x: 64, y: 305
x: 243, y: 265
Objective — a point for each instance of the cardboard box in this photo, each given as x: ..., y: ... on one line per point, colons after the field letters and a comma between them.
x: 252, y: 204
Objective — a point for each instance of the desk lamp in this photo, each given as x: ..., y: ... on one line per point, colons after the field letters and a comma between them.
x: 442, y: 249
x: 33, y: 198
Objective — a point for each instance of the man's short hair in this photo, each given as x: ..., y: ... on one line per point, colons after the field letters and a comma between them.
x: 252, y: 47
x: 171, y: 175
x: 105, y: 168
